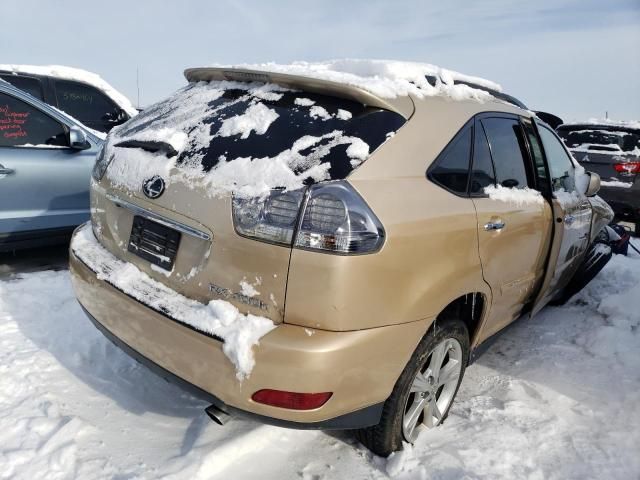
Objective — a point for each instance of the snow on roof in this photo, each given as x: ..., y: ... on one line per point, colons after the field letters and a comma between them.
x: 384, y: 78
x: 70, y: 73
x: 606, y: 122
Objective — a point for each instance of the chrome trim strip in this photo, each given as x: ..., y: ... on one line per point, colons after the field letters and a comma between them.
x: 181, y: 227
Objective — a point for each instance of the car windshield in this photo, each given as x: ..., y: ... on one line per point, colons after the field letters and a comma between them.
x: 611, y: 140
x: 224, y: 121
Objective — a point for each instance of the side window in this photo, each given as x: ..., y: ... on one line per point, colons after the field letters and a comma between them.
x: 23, y: 125
x: 27, y: 84
x: 537, y: 155
x: 84, y: 102
x: 482, y: 173
x: 504, y: 135
x: 451, y: 168
x: 561, y: 167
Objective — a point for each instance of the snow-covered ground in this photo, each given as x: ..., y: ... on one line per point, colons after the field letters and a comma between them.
x: 555, y: 397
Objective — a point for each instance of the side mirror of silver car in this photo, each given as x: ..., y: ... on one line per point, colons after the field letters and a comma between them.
x: 594, y: 184
x: 78, y: 139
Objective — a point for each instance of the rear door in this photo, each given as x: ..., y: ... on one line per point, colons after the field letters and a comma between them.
x: 513, y: 228
x: 43, y: 183
x: 572, y: 213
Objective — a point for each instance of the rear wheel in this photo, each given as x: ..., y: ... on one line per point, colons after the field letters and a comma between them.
x: 423, y: 394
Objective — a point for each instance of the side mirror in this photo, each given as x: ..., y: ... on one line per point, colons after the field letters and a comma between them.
x: 594, y: 184
x: 78, y: 139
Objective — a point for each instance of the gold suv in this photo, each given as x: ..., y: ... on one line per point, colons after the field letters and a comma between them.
x: 320, y: 249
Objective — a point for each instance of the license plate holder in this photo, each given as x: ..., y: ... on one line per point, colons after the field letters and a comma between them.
x: 154, y: 242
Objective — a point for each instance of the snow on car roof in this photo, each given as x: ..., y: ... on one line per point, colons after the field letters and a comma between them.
x: 383, y: 78
x: 70, y: 73
x: 604, y: 122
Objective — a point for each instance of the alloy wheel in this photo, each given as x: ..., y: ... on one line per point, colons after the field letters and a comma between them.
x: 433, y: 389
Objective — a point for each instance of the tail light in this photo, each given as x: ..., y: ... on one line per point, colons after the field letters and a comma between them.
x: 627, y: 167
x: 273, y: 219
x: 291, y: 400
x: 329, y: 217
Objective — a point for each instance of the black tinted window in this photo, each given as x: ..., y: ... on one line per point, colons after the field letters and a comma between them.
x: 537, y: 155
x: 482, y: 174
x: 306, y: 129
x: 27, y: 84
x: 504, y: 137
x: 560, y: 165
x: 451, y: 168
x: 22, y: 124
x: 86, y: 103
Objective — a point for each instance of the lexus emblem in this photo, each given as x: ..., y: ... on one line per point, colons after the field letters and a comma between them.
x: 153, y: 187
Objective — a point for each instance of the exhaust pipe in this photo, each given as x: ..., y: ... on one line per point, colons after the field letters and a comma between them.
x: 217, y: 415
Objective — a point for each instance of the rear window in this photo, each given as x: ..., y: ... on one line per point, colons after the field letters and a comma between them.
x: 593, y: 139
x: 224, y: 121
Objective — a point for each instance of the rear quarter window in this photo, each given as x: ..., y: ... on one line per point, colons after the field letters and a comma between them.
x: 451, y: 169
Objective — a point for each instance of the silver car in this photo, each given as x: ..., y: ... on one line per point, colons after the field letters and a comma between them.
x: 46, y: 159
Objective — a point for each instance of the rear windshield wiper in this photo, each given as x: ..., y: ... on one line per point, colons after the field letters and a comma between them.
x: 149, y: 146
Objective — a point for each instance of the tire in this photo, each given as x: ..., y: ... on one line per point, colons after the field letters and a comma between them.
x: 388, y: 435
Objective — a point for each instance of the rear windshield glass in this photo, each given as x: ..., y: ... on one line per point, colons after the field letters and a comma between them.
x: 224, y: 121
x: 613, y: 140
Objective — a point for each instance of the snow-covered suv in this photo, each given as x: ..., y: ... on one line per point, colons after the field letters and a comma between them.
x: 327, y: 245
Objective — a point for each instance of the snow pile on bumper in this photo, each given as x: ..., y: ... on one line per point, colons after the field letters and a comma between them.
x: 219, y: 318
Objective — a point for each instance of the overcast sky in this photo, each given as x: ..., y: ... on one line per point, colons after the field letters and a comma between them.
x: 577, y: 58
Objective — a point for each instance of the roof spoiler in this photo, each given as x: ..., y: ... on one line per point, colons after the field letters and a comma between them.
x: 297, y: 82
x: 550, y: 119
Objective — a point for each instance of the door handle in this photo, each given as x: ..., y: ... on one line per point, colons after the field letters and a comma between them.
x: 497, y: 225
x: 6, y: 171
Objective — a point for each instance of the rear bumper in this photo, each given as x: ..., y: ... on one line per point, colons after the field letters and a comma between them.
x: 358, y: 419
x: 359, y: 367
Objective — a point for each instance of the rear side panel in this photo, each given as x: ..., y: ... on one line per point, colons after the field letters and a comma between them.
x: 430, y: 256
